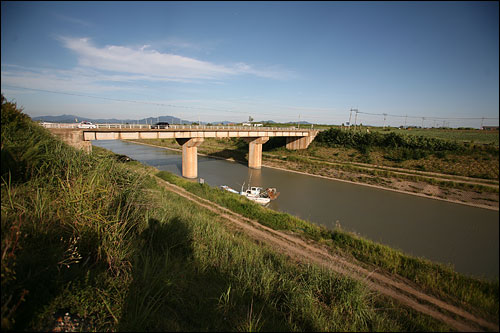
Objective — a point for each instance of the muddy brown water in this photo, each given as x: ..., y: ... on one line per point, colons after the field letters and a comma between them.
x: 465, y: 237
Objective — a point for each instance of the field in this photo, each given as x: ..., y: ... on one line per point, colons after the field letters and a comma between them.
x: 461, y: 135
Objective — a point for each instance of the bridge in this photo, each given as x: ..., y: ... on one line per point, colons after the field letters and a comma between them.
x: 189, y: 137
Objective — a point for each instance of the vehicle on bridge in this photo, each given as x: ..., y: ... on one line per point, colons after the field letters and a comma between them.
x: 160, y: 125
x: 86, y: 124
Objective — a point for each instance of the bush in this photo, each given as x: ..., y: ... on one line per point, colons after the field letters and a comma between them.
x: 352, y: 139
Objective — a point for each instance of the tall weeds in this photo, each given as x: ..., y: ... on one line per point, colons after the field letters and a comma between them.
x: 63, y: 213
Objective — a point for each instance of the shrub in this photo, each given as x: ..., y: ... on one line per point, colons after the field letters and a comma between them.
x: 352, y: 139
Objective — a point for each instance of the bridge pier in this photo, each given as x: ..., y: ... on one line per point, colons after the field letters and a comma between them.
x: 295, y: 143
x: 190, y: 156
x: 255, y: 151
x: 73, y: 137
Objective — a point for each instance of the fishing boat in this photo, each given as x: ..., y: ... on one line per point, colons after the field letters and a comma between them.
x: 227, y: 188
x: 256, y: 194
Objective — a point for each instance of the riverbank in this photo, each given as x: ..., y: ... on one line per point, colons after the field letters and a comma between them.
x: 112, y: 247
x: 461, y: 190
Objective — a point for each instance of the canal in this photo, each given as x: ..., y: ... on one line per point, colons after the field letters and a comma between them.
x: 465, y: 237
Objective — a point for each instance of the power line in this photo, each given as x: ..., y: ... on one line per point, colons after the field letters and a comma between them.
x: 148, y: 103
x: 245, y: 112
x: 420, y: 117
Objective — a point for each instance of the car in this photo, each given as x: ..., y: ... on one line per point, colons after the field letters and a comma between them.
x: 86, y: 124
x: 160, y: 125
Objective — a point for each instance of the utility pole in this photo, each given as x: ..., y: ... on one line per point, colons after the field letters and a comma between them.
x: 298, y: 124
x: 482, y: 120
x: 355, y: 117
x: 385, y: 114
x: 350, y: 114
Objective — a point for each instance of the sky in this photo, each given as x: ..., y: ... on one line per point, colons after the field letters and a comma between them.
x: 396, y: 63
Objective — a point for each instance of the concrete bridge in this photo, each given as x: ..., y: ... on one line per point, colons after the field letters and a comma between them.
x: 189, y: 137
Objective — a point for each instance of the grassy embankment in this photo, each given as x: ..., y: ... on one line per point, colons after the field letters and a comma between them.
x: 90, y: 235
x: 440, y: 280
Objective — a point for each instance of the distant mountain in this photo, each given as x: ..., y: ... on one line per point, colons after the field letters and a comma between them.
x: 69, y: 118
x: 65, y: 118
x: 72, y: 119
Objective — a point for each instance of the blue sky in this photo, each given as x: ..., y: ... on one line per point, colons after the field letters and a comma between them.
x: 280, y: 61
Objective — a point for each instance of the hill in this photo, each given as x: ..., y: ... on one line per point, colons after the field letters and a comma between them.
x: 74, y: 118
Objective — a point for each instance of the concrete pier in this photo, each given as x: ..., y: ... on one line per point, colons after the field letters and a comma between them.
x: 190, y: 156
x: 255, y: 151
x: 73, y: 137
x: 295, y: 143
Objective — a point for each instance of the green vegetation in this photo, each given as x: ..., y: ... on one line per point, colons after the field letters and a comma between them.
x: 423, y: 145
x: 96, y: 237
x: 99, y: 238
x: 436, y: 278
x: 454, y: 134
x: 399, y: 149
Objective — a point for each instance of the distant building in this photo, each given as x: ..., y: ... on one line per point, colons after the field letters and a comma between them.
x: 490, y: 128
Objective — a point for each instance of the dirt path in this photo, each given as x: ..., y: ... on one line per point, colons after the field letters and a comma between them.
x: 395, y: 287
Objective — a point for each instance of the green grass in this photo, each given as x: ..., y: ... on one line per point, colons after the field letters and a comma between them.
x: 90, y: 235
x: 439, y: 279
x: 462, y: 135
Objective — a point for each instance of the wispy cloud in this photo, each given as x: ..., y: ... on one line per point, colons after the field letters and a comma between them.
x: 60, y: 80
x: 124, y: 69
x: 150, y: 63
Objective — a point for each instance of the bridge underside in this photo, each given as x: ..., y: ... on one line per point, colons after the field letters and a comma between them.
x: 190, y: 140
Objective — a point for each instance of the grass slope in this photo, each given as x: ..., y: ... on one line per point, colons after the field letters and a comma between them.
x: 89, y: 235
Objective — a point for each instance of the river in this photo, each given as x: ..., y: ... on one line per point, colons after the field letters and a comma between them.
x: 465, y: 237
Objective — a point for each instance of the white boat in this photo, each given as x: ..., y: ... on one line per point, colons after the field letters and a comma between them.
x: 227, y: 188
x: 256, y: 194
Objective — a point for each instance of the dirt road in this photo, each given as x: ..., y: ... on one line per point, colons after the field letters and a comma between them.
x: 392, y: 286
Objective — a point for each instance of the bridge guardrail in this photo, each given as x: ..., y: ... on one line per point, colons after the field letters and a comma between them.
x: 190, y: 127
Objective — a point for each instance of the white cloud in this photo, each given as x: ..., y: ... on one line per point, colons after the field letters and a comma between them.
x: 120, y: 68
x: 59, y: 80
x: 147, y: 62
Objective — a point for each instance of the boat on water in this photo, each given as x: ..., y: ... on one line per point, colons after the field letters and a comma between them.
x: 227, y: 188
x: 256, y: 194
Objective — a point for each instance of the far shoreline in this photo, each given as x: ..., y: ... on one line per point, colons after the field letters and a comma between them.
x: 335, y: 179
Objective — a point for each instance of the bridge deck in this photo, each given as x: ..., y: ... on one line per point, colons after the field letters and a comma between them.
x: 189, y: 137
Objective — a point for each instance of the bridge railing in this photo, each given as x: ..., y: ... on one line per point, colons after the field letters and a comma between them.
x: 180, y: 127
